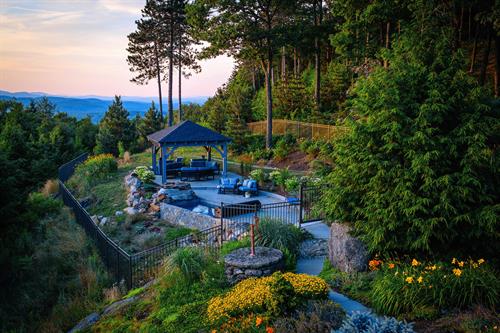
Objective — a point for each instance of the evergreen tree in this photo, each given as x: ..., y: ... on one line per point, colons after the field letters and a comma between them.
x: 417, y: 172
x: 245, y: 30
x: 150, y: 123
x: 147, y: 54
x: 114, y: 127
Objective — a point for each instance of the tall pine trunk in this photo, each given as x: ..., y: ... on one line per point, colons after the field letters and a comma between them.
x: 171, y: 74
x: 269, y: 95
x: 317, y: 56
x: 497, y: 65
x: 474, y: 50
x: 180, y: 80
x: 158, y: 75
x: 486, y: 57
x: 283, y: 64
x: 387, y: 41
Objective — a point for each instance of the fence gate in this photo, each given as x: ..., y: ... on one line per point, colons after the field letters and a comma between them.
x: 237, y: 218
x: 310, y: 196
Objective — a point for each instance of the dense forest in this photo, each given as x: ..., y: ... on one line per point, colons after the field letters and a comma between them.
x: 416, y: 81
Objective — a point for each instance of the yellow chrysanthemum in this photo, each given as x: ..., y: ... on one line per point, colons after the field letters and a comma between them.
x: 409, y: 279
x: 415, y: 262
x: 420, y: 279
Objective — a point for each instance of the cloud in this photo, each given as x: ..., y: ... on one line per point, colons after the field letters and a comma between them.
x: 130, y: 7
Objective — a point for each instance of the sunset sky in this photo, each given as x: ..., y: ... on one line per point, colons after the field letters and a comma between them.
x: 78, y: 47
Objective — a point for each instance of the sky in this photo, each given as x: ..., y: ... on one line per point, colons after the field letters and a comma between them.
x: 78, y: 47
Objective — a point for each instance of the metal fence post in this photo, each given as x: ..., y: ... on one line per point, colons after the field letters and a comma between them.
x: 301, y: 201
x: 221, y: 223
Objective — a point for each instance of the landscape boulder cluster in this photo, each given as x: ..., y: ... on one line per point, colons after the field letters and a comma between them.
x: 138, y: 201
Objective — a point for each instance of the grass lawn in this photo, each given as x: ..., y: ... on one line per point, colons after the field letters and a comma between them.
x: 132, y: 233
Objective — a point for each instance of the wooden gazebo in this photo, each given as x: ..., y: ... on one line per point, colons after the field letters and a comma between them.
x: 186, y: 134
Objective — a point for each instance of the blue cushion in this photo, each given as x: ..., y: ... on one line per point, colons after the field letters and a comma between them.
x: 233, y: 181
x: 225, y: 181
x: 247, y: 189
x: 245, y: 183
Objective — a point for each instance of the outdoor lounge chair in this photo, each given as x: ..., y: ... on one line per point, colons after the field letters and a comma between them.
x: 249, y: 186
x: 228, y: 184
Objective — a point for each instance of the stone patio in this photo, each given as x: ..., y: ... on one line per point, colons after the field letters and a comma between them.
x: 206, y: 190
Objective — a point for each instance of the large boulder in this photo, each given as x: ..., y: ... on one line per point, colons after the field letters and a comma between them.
x: 346, y: 252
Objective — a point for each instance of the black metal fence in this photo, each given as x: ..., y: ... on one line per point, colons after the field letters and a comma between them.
x: 135, y: 269
x: 235, y: 220
x: 309, y: 197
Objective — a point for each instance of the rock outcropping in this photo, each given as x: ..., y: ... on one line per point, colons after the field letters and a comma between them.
x: 346, y: 252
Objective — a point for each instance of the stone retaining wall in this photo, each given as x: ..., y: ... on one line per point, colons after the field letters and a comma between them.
x: 186, y: 218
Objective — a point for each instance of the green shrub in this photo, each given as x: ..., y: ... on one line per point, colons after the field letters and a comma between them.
x: 355, y: 285
x: 417, y: 171
x: 97, y: 167
x: 414, y: 288
x: 261, y: 154
x: 367, y: 322
x: 282, y: 236
x: 304, y: 145
x: 121, y: 149
x: 230, y: 246
x: 144, y: 174
x: 292, y: 184
x: 41, y: 205
x: 191, y: 261
x: 176, y: 232
x: 279, y: 177
x: 259, y: 175
x: 316, y: 316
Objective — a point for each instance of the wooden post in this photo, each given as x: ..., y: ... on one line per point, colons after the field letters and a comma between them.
x: 252, y: 241
x: 153, y: 160
x: 224, y: 161
x: 163, y: 164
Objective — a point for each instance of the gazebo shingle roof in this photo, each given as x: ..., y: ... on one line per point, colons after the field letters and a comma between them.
x: 187, y: 132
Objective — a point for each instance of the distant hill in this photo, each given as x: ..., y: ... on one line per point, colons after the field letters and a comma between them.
x: 94, y: 106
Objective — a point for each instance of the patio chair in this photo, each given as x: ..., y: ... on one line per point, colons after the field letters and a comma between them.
x: 249, y: 186
x: 228, y: 184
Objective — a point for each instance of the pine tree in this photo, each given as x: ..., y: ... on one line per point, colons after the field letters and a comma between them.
x: 114, y: 127
x: 150, y: 123
x: 147, y: 54
x: 417, y: 171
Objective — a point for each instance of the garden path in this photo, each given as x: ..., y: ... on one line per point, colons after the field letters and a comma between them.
x: 313, y: 266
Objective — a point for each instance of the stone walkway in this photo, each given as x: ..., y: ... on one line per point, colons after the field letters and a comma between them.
x: 313, y: 266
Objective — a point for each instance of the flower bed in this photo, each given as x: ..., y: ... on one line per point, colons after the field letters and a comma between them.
x: 416, y: 287
x: 271, y: 295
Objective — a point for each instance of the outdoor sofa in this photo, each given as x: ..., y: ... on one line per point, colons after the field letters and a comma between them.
x: 172, y: 167
x: 199, y: 169
x: 228, y: 184
x: 249, y: 186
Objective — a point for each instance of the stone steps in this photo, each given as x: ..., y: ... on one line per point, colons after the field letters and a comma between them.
x: 314, y: 265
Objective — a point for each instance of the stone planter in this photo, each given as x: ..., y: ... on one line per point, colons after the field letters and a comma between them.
x: 239, y: 265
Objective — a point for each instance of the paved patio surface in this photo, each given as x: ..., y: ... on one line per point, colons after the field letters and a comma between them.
x: 206, y: 190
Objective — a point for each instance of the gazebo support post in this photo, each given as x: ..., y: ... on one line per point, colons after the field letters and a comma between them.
x: 163, y: 164
x: 153, y: 162
x: 224, y: 160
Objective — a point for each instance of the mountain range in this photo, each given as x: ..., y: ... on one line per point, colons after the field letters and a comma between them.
x: 93, y: 105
